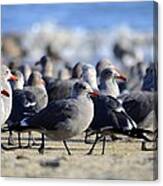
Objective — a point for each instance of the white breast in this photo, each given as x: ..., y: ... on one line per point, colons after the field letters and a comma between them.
x: 7, y: 101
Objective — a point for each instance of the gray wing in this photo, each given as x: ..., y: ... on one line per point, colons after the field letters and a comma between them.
x: 41, y: 96
x: 60, y: 89
x: 54, y: 114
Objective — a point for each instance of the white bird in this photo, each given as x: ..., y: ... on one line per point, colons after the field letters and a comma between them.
x: 2, y: 106
x: 89, y: 75
x: 7, y: 100
x: 23, y: 104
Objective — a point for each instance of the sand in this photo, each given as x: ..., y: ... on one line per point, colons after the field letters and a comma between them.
x: 123, y: 159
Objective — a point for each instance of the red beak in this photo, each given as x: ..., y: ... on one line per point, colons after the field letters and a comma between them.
x: 5, y: 93
x: 94, y: 93
x: 121, y: 77
x: 13, y: 77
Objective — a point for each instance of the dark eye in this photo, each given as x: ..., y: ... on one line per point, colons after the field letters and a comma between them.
x: 7, y: 72
x: 82, y: 86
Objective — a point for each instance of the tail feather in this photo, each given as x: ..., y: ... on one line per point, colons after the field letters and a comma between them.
x: 125, y: 121
x: 130, y: 120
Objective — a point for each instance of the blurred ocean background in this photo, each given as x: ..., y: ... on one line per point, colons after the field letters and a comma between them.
x: 82, y: 32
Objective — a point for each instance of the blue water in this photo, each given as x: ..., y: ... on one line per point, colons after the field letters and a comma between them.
x: 137, y: 15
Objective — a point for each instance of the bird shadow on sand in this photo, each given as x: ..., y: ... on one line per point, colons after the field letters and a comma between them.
x: 7, y: 148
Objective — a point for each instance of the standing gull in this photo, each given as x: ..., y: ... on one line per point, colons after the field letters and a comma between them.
x: 24, y: 105
x: 5, y: 77
x: 141, y: 106
x: 2, y: 106
x: 64, y: 118
x: 109, y: 118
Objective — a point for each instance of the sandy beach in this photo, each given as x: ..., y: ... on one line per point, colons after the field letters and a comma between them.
x: 122, y: 160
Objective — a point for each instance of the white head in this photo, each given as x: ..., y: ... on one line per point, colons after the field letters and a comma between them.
x: 108, y: 82
x: 6, y: 74
x: 89, y: 75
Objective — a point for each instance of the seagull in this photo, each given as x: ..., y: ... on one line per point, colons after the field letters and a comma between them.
x: 24, y: 105
x: 64, y: 119
x: 47, y: 66
x: 89, y: 75
x: 109, y: 118
x: 140, y: 106
x: 26, y: 71
x: 47, y: 69
x: 36, y: 86
x: 77, y: 71
x: 150, y: 78
x: 7, y: 100
x: 2, y: 106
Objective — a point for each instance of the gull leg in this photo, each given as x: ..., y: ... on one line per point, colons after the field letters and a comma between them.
x: 94, y: 144
x: 10, y: 139
x: 29, y: 139
x: 41, y: 149
x: 19, y: 140
x: 143, y: 146
x: 65, y: 144
x: 103, y: 145
x: 85, y: 139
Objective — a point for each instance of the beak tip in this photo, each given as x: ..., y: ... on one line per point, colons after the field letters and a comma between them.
x: 123, y: 78
x: 94, y: 93
x: 13, y: 77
